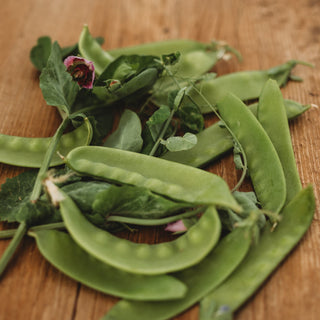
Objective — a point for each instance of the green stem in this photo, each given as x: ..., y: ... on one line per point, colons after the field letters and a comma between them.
x: 20, y: 232
x: 47, y: 159
x: 4, y: 234
x: 162, y: 133
x: 166, y: 125
x: 155, y: 222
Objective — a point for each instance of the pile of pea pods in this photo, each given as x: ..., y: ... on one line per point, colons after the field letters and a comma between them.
x: 234, y: 239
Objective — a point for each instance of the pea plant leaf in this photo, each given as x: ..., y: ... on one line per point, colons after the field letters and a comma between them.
x: 40, y: 53
x: 57, y: 85
x: 157, y: 120
x: 191, y: 118
x: 138, y: 202
x: 128, y: 134
x: 177, y: 143
x: 15, y: 204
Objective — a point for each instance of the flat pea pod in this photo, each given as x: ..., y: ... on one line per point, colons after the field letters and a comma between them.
x: 246, y: 85
x: 30, y: 152
x: 264, y: 165
x: 142, y: 258
x: 200, y: 280
x: 215, y: 140
x: 174, y: 180
x: 62, y: 252
x: 159, y: 48
x: 91, y: 50
x: 272, y: 116
x: 271, y: 249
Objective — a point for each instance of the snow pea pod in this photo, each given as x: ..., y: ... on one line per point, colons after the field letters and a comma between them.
x: 159, y: 48
x: 264, y: 165
x: 215, y: 140
x: 29, y: 152
x: 272, y: 116
x: 91, y: 50
x: 271, y: 249
x: 200, y: 280
x: 62, y: 252
x: 142, y: 258
x: 246, y: 85
x: 174, y: 180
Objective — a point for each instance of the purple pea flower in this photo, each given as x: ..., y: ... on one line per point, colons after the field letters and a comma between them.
x: 81, y: 70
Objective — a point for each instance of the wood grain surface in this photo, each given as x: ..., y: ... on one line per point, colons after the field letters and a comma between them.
x: 266, y: 32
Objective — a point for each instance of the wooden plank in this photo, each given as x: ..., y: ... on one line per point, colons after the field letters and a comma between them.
x: 266, y: 32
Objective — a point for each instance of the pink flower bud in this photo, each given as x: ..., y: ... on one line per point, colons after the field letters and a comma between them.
x: 177, y: 226
x: 81, y: 70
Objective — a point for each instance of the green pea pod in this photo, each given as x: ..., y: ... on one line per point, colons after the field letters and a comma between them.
x: 62, y: 252
x: 215, y: 140
x: 159, y: 48
x: 246, y: 85
x: 30, y: 152
x: 264, y: 165
x: 271, y: 249
x: 174, y: 180
x: 272, y: 116
x: 142, y: 258
x: 200, y: 280
x: 91, y: 50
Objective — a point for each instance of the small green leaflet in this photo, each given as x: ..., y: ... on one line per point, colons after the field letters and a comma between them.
x: 57, y: 85
x: 157, y: 120
x: 188, y: 141
x: 128, y: 134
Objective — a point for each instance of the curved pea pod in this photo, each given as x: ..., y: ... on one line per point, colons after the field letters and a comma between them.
x: 215, y: 140
x: 142, y: 258
x: 271, y: 249
x: 272, y: 116
x: 264, y: 165
x: 174, y: 180
x: 91, y: 50
x: 30, y: 152
x: 200, y: 279
x: 62, y: 252
x: 246, y: 85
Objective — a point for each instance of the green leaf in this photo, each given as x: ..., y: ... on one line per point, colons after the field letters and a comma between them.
x: 135, y: 202
x: 15, y: 205
x: 40, y: 53
x: 157, y: 120
x: 191, y: 117
x: 57, y: 85
x: 128, y: 134
x: 188, y: 141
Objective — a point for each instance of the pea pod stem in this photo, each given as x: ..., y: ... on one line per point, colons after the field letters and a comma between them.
x: 20, y: 232
x: 46, y: 162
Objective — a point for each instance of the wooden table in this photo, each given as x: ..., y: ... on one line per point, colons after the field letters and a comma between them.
x: 266, y: 32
